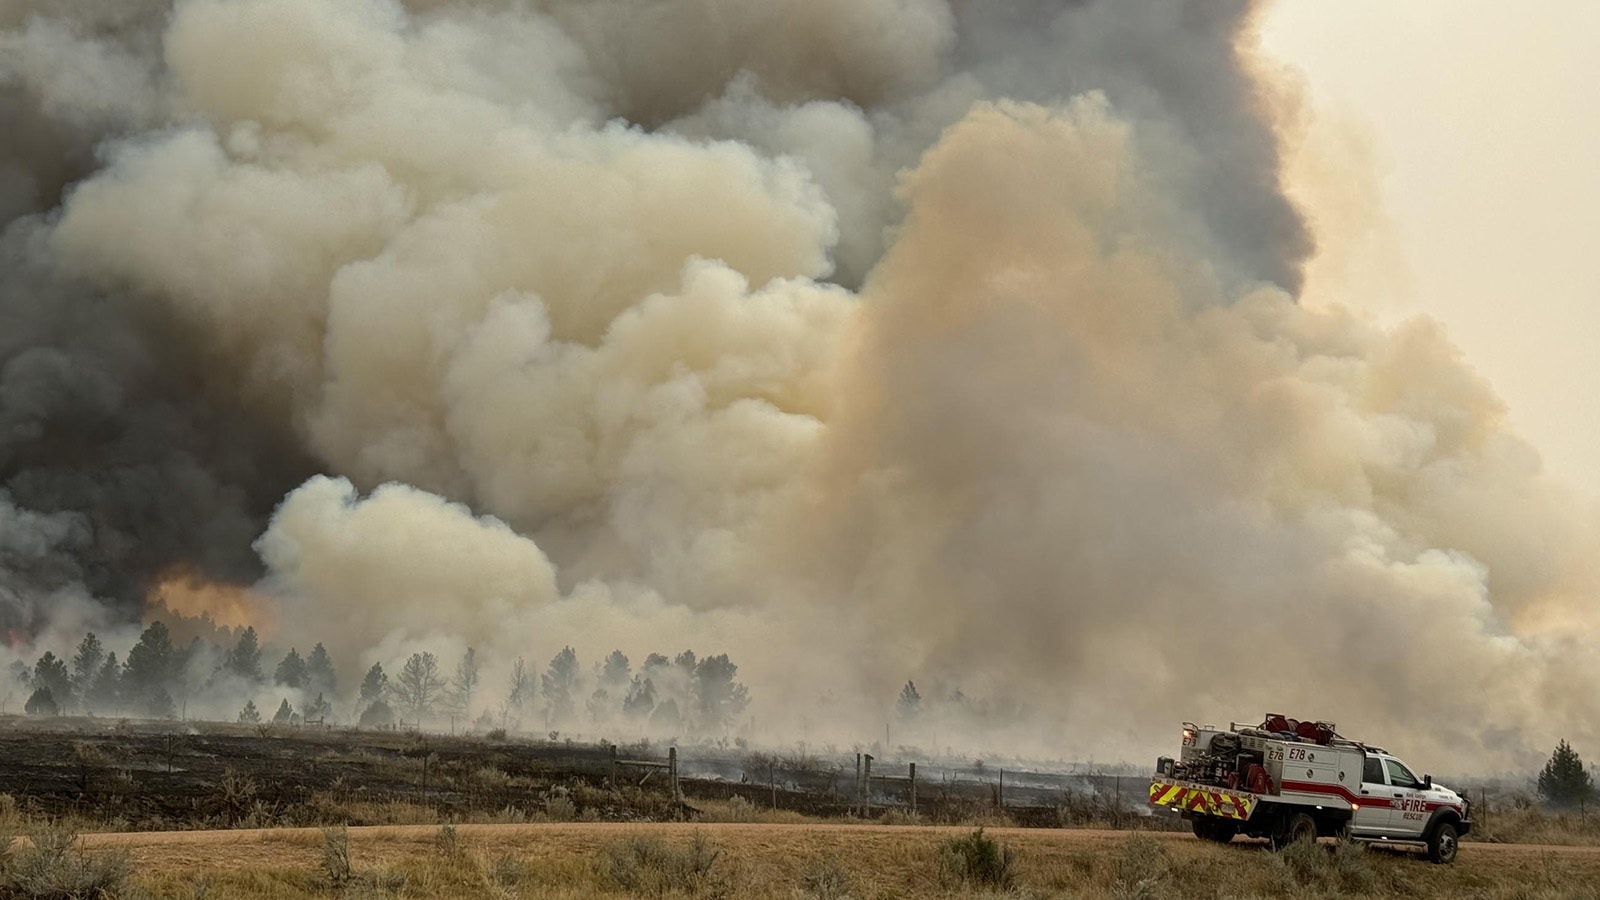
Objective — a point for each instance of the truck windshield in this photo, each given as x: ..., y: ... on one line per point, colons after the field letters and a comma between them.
x: 1399, y: 775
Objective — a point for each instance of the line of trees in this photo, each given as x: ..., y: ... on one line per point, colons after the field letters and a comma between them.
x: 158, y: 677
x: 681, y: 694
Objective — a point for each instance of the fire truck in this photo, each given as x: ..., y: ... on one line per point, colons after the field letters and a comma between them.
x: 1287, y: 780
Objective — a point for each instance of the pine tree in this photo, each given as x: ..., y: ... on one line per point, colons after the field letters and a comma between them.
x: 640, y: 700
x: 244, y: 660
x: 105, y: 693
x: 291, y: 672
x: 50, y: 673
x: 151, y: 669
x: 374, y: 685
x: 558, y: 685
x: 615, y: 673
x: 249, y: 715
x: 319, y: 671
x: 520, y: 696
x: 86, y: 665
x: 465, y: 683
x: 1564, y: 781
x: 42, y: 703
x: 910, y: 702
x: 316, y: 710
x: 284, y: 715
x: 718, y: 698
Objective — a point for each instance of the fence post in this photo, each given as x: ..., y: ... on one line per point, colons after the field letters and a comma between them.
x: 913, y: 790
x: 1000, y: 795
x: 772, y: 780
x: 856, y: 805
x: 611, y: 769
x: 672, y: 774
x: 866, y: 782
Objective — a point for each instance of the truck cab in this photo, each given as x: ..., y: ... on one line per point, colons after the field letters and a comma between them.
x: 1395, y: 806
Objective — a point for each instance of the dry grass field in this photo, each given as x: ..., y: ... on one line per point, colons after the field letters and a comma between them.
x: 538, y: 819
x: 581, y: 860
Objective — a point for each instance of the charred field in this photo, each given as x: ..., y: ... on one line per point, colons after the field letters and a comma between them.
x: 141, y: 775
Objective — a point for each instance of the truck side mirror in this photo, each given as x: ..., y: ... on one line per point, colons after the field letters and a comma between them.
x: 1427, y: 782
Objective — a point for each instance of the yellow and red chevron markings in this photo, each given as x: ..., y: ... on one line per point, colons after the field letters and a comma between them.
x: 1207, y: 801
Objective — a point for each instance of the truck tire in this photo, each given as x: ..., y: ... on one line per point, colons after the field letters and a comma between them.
x: 1299, y: 827
x: 1443, y: 842
x: 1208, y: 828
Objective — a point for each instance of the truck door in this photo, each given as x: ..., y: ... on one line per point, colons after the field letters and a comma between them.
x: 1410, y: 816
x: 1375, y: 798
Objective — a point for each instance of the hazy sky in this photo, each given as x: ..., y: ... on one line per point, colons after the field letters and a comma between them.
x: 1483, y: 121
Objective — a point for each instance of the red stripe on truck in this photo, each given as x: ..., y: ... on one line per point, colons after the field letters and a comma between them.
x: 1339, y: 790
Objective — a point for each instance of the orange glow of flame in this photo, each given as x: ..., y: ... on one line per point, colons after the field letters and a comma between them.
x: 188, y: 595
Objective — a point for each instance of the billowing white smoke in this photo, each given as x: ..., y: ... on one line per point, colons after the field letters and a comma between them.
x: 893, y: 338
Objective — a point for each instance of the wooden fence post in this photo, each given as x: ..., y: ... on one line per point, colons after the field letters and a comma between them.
x: 913, y: 790
x: 611, y: 770
x: 772, y: 780
x: 1000, y: 795
x: 855, y: 806
x: 672, y: 775
x: 866, y: 782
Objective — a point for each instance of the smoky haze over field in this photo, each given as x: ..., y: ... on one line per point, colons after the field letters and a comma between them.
x: 863, y: 339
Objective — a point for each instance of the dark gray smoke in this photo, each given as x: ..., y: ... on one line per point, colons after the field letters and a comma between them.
x: 123, y: 451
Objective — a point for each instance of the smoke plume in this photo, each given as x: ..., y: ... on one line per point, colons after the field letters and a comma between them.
x: 866, y: 339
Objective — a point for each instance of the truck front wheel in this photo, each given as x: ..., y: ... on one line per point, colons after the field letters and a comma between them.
x: 1442, y: 843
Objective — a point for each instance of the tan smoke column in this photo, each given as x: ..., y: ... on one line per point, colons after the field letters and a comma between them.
x: 1061, y: 440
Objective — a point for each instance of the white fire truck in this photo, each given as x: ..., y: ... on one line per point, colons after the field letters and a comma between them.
x: 1288, y: 780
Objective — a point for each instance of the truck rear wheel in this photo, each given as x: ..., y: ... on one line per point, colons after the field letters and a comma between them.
x: 1299, y: 827
x: 1442, y: 843
x: 1208, y: 828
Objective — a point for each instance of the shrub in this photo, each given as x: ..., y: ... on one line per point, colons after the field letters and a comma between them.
x: 825, y: 879
x: 55, y: 867
x: 377, y: 715
x: 234, y: 797
x: 647, y: 865
x: 448, y: 840
x: 742, y: 810
x: 1304, y: 862
x: 1345, y: 868
x: 1141, y: 866
x: 336, y: 855
x: 900, y: 817
x: 560, y: 808
x: 508, y: 871
x: 977, y: 859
